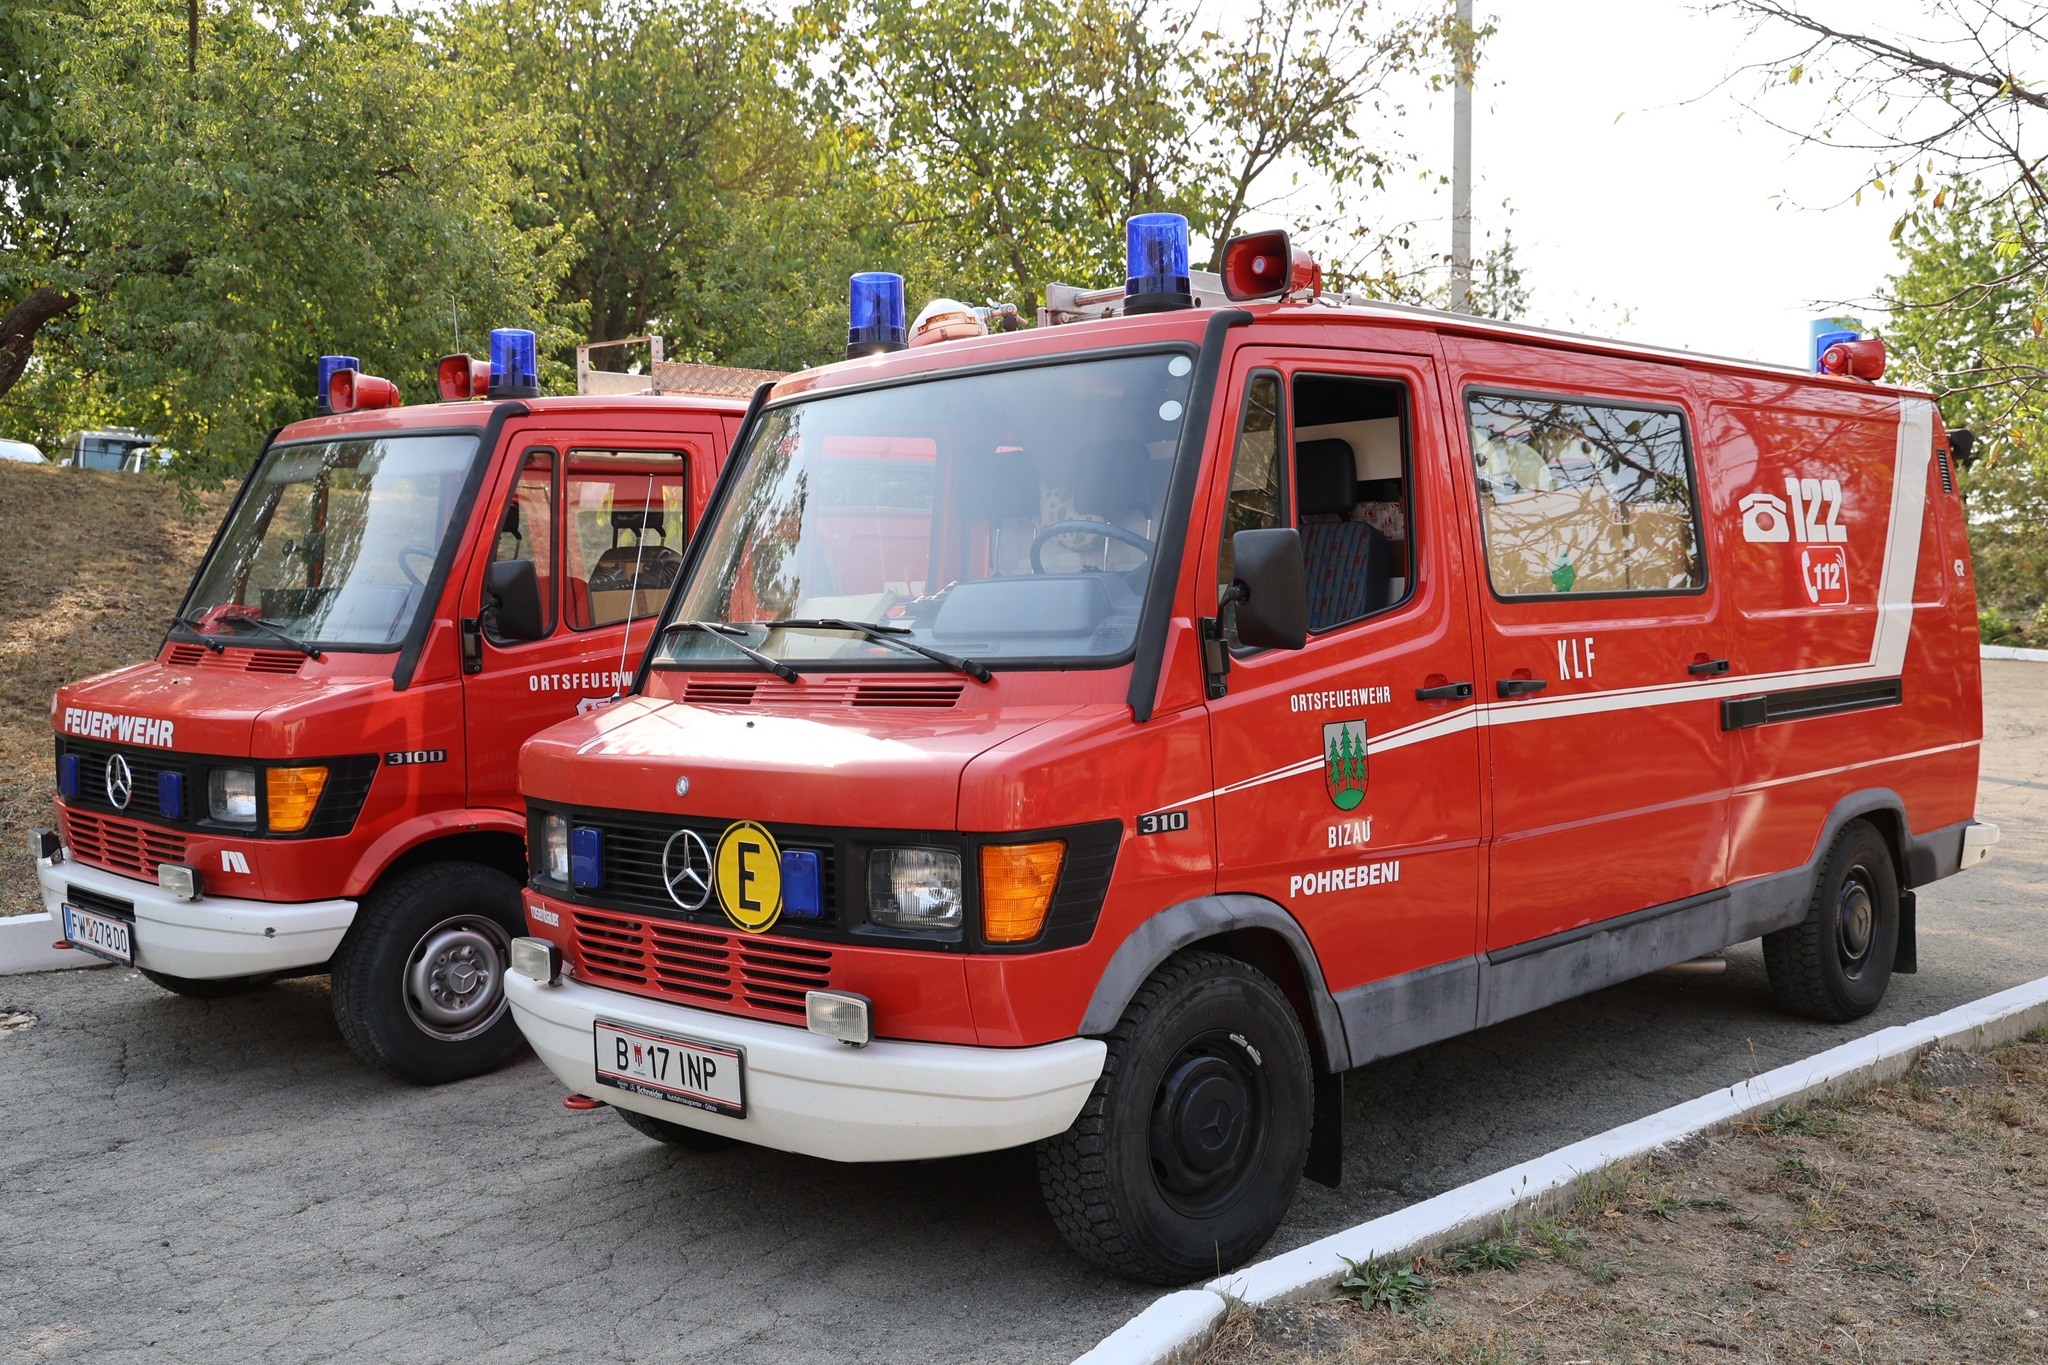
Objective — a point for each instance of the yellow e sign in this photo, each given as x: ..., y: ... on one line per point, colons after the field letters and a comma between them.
x: 748, y: 869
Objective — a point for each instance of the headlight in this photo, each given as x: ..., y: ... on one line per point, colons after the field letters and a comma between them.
x: 231, y: 795
x: 914, y: 888
x: 555, y: 841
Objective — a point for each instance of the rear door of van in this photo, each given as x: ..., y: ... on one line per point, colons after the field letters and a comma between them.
x: 1599, y: 604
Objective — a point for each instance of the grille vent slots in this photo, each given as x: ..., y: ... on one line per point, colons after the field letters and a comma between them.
x: 865, y: 693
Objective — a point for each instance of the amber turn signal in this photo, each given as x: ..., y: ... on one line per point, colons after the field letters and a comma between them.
x: 1017, y: 882
x: 293, y: 794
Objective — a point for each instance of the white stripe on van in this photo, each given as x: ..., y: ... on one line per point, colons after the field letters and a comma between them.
x: 1887, y: 658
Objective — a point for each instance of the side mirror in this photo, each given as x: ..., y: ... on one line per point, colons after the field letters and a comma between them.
x: 1962, y: 442
x: 512, y: 605
x: 1271, y: 588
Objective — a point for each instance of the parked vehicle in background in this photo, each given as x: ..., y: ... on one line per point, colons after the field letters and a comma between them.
x: 1107, y: 735
x: 118, y: 450
x: 316, y: 772
x: 20, y: 452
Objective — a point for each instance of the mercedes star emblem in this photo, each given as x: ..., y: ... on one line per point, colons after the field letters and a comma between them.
x: 682, y: 786
x: 686, y: 869
x: 120, y: 782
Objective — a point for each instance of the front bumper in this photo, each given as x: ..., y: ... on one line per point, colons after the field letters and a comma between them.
x: 888, y: 1101
x: 208, y: 938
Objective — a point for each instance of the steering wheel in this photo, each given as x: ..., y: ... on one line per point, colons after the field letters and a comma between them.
x: 425, y: 552
x: 1107, y: 530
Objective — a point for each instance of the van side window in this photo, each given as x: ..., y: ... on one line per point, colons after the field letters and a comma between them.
x: 1257, y: 499
x: 627, y: 519
x: 526, y: 528
x: 1584, y: 497
x: 1352, y: 496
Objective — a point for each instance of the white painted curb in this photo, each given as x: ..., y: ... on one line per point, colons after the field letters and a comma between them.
x: 2032, y: 656
x: 25, y: 946
x: 1182, y: 1322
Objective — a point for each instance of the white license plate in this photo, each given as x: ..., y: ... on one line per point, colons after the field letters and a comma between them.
x: 681, y: 1070
x: 101, y: 935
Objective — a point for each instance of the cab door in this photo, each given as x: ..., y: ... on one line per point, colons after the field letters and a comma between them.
x: 1347, y: 775
x: 604, y: 517
x: 1601, y: 624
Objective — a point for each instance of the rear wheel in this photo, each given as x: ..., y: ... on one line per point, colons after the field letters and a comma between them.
x: 419, y: 982
x: 217, y: 988
x: 1836, y: 963
x: 1185, y: 1157
x: 676, y: 1134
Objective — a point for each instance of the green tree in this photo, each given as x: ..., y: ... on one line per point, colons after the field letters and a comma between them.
x: 683, y: 150
x: 1966, y: 319
x: 222, y: 214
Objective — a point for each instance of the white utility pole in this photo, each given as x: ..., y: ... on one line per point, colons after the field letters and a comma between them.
x: 1461, y: 164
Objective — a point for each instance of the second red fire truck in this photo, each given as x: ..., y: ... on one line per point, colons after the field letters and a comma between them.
x: 317, y: 772
x: 1106, y: 735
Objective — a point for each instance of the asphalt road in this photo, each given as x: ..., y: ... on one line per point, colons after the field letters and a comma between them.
x: 222, y: 1181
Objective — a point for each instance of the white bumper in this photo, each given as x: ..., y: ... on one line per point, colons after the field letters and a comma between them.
x: 1978, y: 839
x: 888, y: 1101
x: 212, y: 937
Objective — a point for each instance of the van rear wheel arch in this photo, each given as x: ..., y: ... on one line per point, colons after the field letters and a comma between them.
x: 1250, y: 929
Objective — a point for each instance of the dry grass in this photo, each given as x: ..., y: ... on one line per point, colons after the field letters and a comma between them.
x: 1907, y: 1224
x: 91, y: 567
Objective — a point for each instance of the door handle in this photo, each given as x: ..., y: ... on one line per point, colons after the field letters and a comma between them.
x: 1519, y: 687
x: 1459, y: 691
x: 1707, y: 667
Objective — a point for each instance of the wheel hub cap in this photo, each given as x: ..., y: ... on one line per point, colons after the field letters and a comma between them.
x: 1855, y: 922
x: 1204, y: 1129
x: 453, y: 977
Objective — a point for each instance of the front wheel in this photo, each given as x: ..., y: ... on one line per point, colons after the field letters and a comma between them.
x: 1836, y: 963
x: 419, y: 982
x: 1185, y: 1157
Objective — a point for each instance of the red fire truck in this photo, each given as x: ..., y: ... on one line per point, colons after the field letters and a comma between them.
x: 1106, y: 735
x: 317, y: 771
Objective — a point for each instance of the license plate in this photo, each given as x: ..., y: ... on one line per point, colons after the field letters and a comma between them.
x: 101, y: 935
x: 707, y: 1076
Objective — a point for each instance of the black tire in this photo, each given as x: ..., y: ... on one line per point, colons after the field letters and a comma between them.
x: 419, y: 980
x: 676, y: 1134
x: 218, y: 988
x: 1836, y: 963
x: 1185, y: 1157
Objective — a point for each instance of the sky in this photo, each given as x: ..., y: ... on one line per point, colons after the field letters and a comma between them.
x: 1686, y: 222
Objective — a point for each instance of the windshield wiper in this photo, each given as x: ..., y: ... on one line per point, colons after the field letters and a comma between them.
x: 883, y: 634
x: 718, y: 630
x: 310, y: 651
x: 204, y: 638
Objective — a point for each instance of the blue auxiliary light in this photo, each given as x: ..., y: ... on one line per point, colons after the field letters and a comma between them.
x: 328, y: 365
x: 170, y: 795
x: 1156, y: 264
x: 801, y: 893
x: 1828, y: 332
x: 514, y: 372
x: 875, y: 321
x: 67, y: 775
x: 586, y: 857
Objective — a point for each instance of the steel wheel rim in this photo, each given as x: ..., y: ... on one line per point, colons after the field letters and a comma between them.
x: 1209, y: 1122
x: 1855, y: 922
x: 454, y: 979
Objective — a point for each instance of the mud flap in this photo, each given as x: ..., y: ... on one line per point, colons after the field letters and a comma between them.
x: 1325, y: 1164
x: 1906, y: 962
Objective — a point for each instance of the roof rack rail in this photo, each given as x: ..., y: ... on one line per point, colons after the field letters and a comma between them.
x: 1069, y: 303
x: 664, y: 376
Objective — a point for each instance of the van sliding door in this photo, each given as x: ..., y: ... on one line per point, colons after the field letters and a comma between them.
x: 1610, y: 775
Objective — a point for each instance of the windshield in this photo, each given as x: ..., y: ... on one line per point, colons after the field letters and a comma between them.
x: 334, y: 541
x: 1003, y: 516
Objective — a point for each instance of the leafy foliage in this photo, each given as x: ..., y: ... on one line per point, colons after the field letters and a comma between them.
x: 1386, y: 1287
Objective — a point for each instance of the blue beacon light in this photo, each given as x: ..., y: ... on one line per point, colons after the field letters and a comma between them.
x: 328, y: 365
x: 1156, y: 264
x: 875, y: 320
x: 514, y: 372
